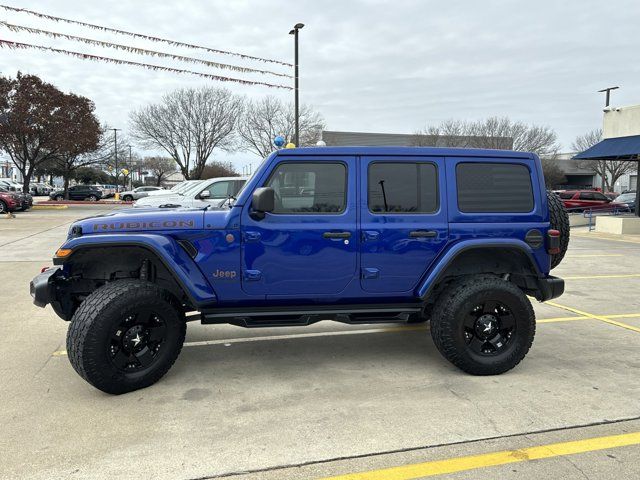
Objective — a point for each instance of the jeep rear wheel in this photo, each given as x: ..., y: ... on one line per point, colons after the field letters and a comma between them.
x: 559, y: 220
x: 483, y: 325
x: 125, y: 336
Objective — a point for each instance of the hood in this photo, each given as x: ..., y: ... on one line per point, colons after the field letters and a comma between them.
x: 142, y: 220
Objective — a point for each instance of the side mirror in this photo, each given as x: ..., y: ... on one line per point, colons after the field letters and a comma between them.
x: 205, y: 194
x: 263, y: 201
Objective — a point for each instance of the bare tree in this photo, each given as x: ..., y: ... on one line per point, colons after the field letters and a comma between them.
x: 553, y: 174
x: 495, y: 132
x: 269, y: 117
x: 219, y: 169
x: 189, y: 124
x: 159, y: 167
x: 609, y: 171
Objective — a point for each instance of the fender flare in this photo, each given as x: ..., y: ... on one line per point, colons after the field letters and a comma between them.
x: 176, y: 260
x: 435, y: 275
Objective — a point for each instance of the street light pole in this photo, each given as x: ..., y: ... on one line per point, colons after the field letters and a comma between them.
x: 608, y: 96
x: 130, y: 169
x: 294, y: 32
x: 115, y: 151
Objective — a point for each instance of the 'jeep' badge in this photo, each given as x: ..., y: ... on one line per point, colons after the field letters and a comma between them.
x: 224, y: 274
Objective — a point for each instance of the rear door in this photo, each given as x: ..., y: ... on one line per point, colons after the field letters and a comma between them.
x: 403, y: 220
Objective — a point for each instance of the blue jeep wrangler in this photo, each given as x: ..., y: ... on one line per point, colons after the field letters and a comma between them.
x: 358, y: 235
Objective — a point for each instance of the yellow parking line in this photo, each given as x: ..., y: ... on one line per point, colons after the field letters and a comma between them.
x: 588, y: 277
x: 474, y: 462
x: 561, y: 319
x: 595, y: 317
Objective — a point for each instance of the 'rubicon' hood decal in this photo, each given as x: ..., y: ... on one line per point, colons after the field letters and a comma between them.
x: 143, y: 220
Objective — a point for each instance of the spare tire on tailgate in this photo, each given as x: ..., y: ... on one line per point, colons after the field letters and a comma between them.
x: 559, y: 220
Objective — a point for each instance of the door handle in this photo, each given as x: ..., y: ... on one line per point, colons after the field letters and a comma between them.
x: 423, y: 234
x: 336, y: 235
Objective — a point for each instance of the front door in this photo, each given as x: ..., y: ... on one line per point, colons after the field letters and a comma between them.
x: 403, y: 220
x: 307, y: 246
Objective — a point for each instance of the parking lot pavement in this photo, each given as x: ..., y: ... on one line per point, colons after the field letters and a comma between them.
x: 328, y: 399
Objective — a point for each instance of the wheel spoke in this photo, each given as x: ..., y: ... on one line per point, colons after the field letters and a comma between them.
x: 476, y: 344
x: 144, y: 356
x: 507, y: 321
x: 157, y: 333
x: 121, y: 359
x: 469, y: 320
x: 497, y: 342
x: 490, y: 307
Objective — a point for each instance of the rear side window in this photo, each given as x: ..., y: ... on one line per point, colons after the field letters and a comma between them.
x: 567, y: 195
x: 403, y: 187
x: 494, y: 188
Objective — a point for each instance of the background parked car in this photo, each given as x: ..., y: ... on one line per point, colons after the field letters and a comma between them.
x: 138, y: 193
x: 21, y: 201
x: 212, y: 192
x: 9, y: 201
x: 79, y: 192
x: 10, y: 185
x: 39, y: 188
x: 579, y: 200
x: 178, y: 188
x: 627, y: 198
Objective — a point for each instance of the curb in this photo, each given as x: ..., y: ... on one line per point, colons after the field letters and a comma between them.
x: 49, y: 207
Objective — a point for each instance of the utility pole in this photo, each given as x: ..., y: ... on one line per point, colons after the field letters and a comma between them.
x: 130, y: 169
x: 115, y: 151
x: 296, y: 89
x: 608, y: 96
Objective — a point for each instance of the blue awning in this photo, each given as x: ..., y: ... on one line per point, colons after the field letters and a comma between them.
x: 619, y: 148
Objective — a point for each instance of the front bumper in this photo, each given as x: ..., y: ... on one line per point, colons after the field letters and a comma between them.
x: 549, y: 287
x: 43, y: 287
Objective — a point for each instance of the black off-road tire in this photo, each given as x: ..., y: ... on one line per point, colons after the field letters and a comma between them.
x: 559, y: 220
x: 91, y: 332
x: 127, y: 198
x: 448, y: 330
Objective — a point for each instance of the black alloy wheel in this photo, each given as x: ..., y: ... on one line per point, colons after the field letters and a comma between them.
x: 136, y: 342
x: 489, y: 328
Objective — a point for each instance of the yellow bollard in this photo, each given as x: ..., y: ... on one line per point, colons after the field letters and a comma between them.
x: 117, y: 196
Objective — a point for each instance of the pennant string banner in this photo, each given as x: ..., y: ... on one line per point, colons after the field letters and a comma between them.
x: 140, y: 51
x: 142, y: 36
x: 97, y: 58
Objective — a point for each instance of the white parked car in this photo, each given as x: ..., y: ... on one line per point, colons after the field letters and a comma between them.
x: 178, y: 188
x: 139, y: 192
x: 212, y: 192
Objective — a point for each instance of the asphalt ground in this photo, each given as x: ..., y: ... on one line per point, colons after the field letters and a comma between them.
x: 329, y: 400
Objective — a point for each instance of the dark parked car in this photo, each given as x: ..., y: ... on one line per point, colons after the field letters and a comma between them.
x: 627, y: 198
x: 79, y: 192
x: 579, y: 200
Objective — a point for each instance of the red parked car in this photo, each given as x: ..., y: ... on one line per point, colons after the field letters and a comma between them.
x: 9, y: 201
x: 579, y: 200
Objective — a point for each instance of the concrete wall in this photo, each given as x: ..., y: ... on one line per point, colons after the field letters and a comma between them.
x: 621, y: 121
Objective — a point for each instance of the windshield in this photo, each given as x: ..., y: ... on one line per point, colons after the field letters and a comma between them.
x: 192, y: 187
x: 184, y: 187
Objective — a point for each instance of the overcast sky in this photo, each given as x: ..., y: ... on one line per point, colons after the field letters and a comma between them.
x: 366, y: 65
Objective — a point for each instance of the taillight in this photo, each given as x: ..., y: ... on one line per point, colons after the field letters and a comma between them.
x: 554, y: 242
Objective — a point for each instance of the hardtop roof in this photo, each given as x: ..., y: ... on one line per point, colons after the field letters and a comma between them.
x: 405, y: 151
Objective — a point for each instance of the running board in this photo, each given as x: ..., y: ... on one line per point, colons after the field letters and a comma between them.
x: 302, y: 316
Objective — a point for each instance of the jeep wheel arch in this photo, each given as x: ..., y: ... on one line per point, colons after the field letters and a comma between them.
x: 496, y: 259
x: 91, y: 266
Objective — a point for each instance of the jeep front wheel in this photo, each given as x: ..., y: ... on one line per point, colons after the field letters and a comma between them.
x: 125, y: 336
x: 483, y: 324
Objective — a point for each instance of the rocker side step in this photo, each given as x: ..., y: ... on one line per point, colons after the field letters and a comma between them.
x: 302, y: 316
